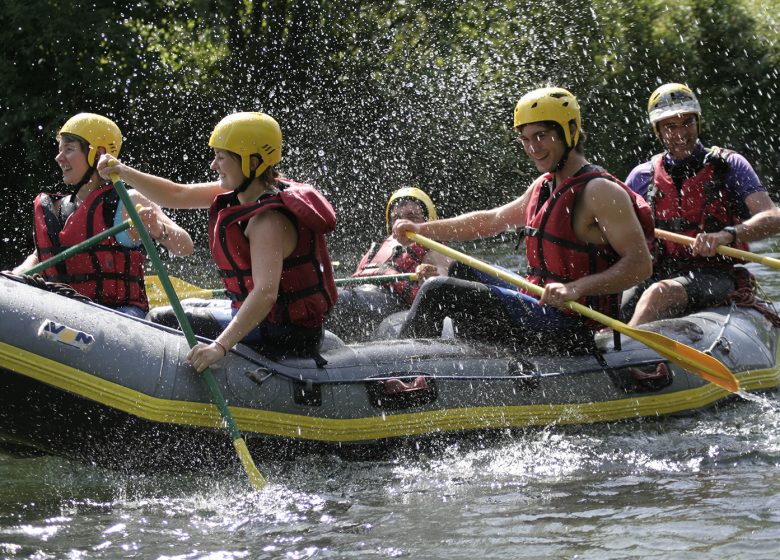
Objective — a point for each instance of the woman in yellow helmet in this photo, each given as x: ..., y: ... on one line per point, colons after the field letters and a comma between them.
x: 362, y: 307
x: 110, y: 272
x: 266, y: 235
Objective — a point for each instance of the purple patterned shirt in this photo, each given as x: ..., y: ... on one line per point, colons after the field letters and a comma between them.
x: 741, y: 179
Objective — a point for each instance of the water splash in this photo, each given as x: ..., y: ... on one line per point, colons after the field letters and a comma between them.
x: 760, y: 399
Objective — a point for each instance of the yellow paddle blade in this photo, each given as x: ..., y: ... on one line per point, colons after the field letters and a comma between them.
x: 256, y: 478
x: 676, y: 352
x: 684, y: 356
x: 154, y: 292
x: 157, y: 296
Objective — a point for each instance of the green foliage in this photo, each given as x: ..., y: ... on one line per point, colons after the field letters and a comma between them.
x: 374, y: 95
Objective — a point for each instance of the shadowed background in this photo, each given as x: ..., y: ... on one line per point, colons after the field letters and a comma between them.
x: 372, y: 96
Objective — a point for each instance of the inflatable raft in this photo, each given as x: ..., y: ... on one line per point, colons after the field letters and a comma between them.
x: 82, y: 381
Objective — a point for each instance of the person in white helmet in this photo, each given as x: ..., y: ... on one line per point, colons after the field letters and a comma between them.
x: 710, y: 194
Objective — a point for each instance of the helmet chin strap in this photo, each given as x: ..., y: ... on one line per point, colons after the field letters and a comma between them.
x: 245, y: 183
x: 566, y: 151
x: 88, y: 175
x: 84, y: 180
x: 563, y: 160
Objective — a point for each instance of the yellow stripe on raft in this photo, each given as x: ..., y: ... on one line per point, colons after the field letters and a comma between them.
x: 370, y: 428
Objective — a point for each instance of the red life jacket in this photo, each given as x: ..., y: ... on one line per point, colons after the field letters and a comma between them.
x: 307, y: 290
x: 393, y: 258
x: 703, y: 204
x: 555, y: 253
x: 108, y: 272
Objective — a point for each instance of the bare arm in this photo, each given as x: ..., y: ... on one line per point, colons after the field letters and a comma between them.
x: 474, y: 225
x: 162, y: 229
x: 434, y: 264
x: 28, y: 263
x: 272, y: 237
x: 764, y: 218
x: 162, y: 191
x: 439, y: 261
x: 764, y: 221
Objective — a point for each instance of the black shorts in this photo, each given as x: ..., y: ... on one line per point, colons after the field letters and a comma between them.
x: 704, y: 287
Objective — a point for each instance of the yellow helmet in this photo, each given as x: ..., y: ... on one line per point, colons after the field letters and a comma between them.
x: 550, y: 104
x: 413, y: 193
x: 97, y: 131
x: 248, y: 134
x: 670, y: 100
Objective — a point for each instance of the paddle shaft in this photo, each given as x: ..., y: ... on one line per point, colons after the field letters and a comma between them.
x: 722, y: 249
x: 379, y: 279
x: 689, y: 358
x: 70, y: 251
x: 254, y: 475
x: 186, y: 290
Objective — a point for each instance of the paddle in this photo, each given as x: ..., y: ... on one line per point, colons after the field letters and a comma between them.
x: 155, y: 291
x: 722, y: 249
x: 70, y: 251
x: 157, y: 297
x: 379, y: 279
x: 255, y: 477
x: 684, y: 356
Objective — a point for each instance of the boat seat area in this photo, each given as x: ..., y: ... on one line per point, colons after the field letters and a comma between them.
x: 679, y: 328
x: 330, y: 341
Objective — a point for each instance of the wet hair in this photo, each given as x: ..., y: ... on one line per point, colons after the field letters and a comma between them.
x: 270, y: 175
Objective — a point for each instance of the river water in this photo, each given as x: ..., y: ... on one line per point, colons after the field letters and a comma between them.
x: 706, y: 486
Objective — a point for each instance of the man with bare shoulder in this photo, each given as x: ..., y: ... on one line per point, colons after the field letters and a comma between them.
x: 586, y: 241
